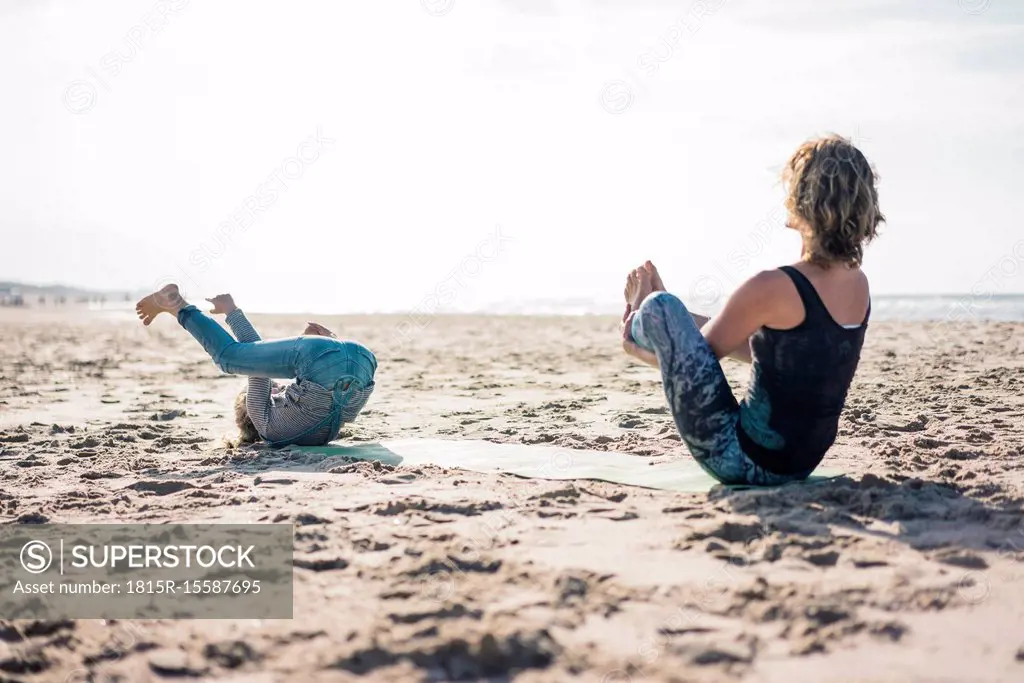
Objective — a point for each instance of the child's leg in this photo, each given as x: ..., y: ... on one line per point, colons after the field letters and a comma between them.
x: 277, y: 358
x: 702, y: 403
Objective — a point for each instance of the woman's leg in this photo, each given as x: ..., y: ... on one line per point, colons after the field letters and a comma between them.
x: 698, y: 393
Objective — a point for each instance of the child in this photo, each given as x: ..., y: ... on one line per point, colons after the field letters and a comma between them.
x: 801, y: 326
x: 333, y: 378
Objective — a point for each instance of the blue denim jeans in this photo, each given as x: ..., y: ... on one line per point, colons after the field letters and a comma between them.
x: 321, y: 360
x: 705, y: 411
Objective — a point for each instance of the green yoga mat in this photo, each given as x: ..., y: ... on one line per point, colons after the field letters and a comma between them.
x: 541, y: 462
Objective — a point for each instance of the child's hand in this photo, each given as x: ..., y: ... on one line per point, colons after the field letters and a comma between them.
x: 318, y: 330
x: 222, y: 303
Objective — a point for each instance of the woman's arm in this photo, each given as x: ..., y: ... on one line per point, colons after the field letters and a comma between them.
x: 741, y: 354
x: 751, y: 306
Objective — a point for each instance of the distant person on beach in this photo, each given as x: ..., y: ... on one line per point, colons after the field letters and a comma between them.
x: 333, y: 378
x: 801, y: 326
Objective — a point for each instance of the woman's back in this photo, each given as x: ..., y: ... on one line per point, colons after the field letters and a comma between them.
x: 802, y: 368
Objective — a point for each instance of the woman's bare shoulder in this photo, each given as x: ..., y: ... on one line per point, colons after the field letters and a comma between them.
x: 767, y: 292
x: 768, y: 283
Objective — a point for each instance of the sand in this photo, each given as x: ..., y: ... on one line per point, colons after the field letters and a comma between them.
x: 908, y: 569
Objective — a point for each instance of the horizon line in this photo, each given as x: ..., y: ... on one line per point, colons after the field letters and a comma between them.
x: 137, y: 290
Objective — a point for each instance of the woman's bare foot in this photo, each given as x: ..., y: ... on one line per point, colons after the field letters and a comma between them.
x: 166, y: 300
x: 638, y: 286
x: 656, y: 281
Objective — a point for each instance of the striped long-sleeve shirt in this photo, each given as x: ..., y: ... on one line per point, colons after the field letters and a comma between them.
x: 282, y: 415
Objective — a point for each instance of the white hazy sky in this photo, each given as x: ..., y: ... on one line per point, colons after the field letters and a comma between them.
x: 595, y: 133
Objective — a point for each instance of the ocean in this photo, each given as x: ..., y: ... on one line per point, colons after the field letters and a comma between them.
x: 1006, y: 307
x: 951, y: 307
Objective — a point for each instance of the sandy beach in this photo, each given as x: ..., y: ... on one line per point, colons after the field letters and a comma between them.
x: 907, y: 569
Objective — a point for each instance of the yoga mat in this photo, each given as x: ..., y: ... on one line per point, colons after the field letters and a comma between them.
x: 542, y: 462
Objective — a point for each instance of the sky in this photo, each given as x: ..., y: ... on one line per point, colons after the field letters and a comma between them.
x: 482, y: 155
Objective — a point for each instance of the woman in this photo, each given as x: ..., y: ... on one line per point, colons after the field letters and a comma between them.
x: 801, y: 326
x: 333, y: 378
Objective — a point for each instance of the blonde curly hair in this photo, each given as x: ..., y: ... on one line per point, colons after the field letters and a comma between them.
x: 831, y: 186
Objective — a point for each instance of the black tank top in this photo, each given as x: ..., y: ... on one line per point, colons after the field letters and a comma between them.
x: 798, y: 384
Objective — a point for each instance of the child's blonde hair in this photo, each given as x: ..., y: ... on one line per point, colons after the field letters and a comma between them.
x: 831, y: 186
x: 247, y: 433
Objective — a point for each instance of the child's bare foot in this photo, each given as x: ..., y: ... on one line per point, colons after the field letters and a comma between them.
x: 638, y: 286
x: 656, y: 281
x: 166, y: 300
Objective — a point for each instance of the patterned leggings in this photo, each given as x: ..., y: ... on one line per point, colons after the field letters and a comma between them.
x: 705, y: 411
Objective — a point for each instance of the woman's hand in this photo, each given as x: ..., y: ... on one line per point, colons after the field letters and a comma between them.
x: 223, y: 303
x: 318, y: 330
x: 630, y: 347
